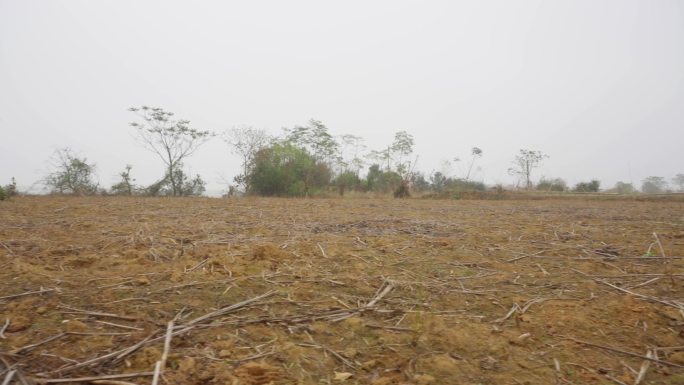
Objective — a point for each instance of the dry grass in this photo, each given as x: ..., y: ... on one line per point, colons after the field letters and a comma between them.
x: 356, y: 291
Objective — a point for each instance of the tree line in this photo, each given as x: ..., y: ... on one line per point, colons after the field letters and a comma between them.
x: 305, y: 160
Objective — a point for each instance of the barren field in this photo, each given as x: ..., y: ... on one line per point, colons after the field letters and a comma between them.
x: 341, y: 291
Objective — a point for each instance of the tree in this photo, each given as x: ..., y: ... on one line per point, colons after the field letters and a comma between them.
x: 438, y: 181
x: 9, y: 190
x: 345, y: 181
x: 382, y: 181
x: 172, y: 140
x: 349, y: 159
x: 72, y: 175
x: 184, y: 185
x: 315, y: 139
x: 623, y: 188
x: 525, y: 162
x: 283, y: 169
x: 556, y: 184
x: 125, y: 186
x: 592, y: 186
x: 678, y: 181
x: 653, y: 185
x: 246, y: 142
x: 419, y: 183
x: 476, y: 153
x: 403, y: 147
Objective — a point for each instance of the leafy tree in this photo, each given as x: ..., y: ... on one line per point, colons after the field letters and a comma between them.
x: 556, y: 184
x: 382, y: 181
x: 623, y: 188
x: 419, y: 183
x: 346, y: 181
x: 72, y: 175
x: 525, y: 162
x: 246, y: 142
x: 476, y: 153
x: 125, y: 186
x: 172, y: 140
x: 189, y: 187
x: 184, y: 185
x: 283, y: 169
x: 653, y: 185
x: 678, y: 181
x: 315, y: 139
x: 9, y: 190
x: 438, y: 181
x: 592, y: 186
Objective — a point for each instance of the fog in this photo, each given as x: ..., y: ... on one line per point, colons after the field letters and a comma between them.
x: 596, y: 85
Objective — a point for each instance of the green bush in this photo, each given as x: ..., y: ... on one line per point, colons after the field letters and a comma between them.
x: 284, y: 169
x: 592, y: 186
x: 556, y: 184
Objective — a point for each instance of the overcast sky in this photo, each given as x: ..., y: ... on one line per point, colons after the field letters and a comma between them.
x: 598, y: 85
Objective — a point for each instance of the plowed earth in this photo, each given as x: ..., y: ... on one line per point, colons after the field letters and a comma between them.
x: 347, y: 291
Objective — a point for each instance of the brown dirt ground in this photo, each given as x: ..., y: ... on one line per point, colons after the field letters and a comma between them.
x: 440, y: 276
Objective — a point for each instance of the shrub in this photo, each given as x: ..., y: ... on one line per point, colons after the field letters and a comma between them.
x: 556, y: 184
x: 72, y: 175
x: 592, y: 186
x: 284, y: 169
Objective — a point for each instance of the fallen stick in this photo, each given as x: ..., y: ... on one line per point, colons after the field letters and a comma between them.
x: 8, y: 377
x: 644, y: 368
x: 229, y: 309
x: 117, y: 355
x: 120, y: 354
x: 90, y: 379
x: 660, y: 245
x: 4, y: 327
x: 322, y: 251
x: 382, y: 291
x: 96, y: 313
x: 41, y: 291
x: 28, y: 348
x: 161, y: 364
x: 334, y: 353
x: 616, y: 350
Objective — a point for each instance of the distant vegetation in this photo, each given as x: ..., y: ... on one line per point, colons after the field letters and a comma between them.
x: 306, y: 160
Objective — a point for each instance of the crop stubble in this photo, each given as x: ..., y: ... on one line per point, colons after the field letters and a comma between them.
x: 259, y: 291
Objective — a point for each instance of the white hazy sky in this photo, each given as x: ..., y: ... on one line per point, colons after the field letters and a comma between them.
x: 596, y: 84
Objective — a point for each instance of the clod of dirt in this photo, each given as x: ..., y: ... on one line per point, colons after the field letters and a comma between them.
x: 269, y: 252
x: 75, y: 326
x: 677, y: 358
x: 490, y: 363
x: 19, y: 323
x: 423, y: 379
x: 255, y: 373
x: 143, y: 281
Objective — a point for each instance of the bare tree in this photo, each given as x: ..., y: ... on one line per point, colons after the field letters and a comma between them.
x: 349, y: 158
x: 173, y: 140
x: 403, y: 147
x: 525, y: 162
x: 71, y: 175
x: 477, y: 153
x: 246, y: 143
x: 678, y: 181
